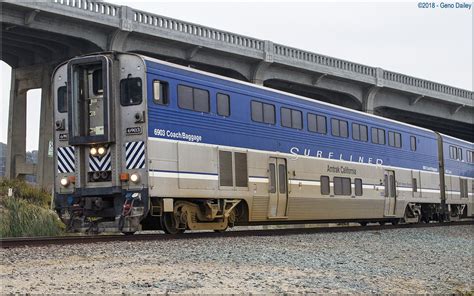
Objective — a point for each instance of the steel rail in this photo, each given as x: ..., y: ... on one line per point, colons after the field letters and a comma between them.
x: 7, y: 243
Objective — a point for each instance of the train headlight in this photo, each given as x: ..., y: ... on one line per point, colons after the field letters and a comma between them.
x: 64, y: 181
x: 93, y: 151
x: 101, y: 151
x: 135, y: 177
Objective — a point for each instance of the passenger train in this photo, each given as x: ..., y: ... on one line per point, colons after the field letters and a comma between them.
x: 141, y: 144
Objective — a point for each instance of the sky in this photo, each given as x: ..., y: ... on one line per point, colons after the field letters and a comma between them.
x: 430, y: 43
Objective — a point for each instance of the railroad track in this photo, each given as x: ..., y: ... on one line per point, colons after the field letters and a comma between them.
x: 7, y: 243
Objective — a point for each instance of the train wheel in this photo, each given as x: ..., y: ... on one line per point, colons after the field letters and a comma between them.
x: 363, y: 223
x: 382, y: 223
x: 169, y: 225
x: 129, y: 233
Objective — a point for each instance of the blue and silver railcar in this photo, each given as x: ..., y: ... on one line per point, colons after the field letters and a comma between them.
x: 145, y: 144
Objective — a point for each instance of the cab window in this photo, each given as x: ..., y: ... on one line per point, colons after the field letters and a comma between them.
x: 131, y: 91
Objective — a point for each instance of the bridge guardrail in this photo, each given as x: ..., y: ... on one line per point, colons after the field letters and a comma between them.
x: 387, y: 78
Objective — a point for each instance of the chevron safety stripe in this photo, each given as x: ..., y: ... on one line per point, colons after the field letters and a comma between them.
x: 66, y: 160
x: 135, y: 155
x: 100, y: 163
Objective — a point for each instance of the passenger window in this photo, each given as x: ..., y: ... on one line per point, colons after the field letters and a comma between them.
x: 291, y: 118
x: 268, y: 113
x: 378, y: 136
x: 459, y: 154
x: 359, y: 132
x: 97, y: 85
x: 394, y: 139
x: 257, y: 111
x: 225, y: 168
x: 413, y: 143
x: 414, y: 184
x: 223, y: 105
x: 160, y: 92
x: 339, y: 128
x: 342, y: 186
x: 201, y: 100
x: 262, y: 112
x: 317, y: 123
x: 131, y: 91
x: 185, y: 97
x: 62, y: 99
x: 325, y: 185
x: 285, y: 117
x: 453, y: 152
x: 358, y: 187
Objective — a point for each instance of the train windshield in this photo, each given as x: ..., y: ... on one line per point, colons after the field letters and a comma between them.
x: 89, y: 109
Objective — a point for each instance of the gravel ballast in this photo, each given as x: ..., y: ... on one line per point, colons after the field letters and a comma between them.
x: 426, y: 260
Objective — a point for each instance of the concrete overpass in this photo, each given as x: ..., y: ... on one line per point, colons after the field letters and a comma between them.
x: 36, y: 36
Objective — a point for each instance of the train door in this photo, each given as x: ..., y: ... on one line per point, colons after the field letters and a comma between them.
x: 278, y: 187
x: 390, y: 193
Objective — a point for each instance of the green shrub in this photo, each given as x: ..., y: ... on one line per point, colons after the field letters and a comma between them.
x: 27, y: 213
x: 20, y: 218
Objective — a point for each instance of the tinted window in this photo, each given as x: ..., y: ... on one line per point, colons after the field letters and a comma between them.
x: 413, y: 143
x: 257, y: 111
x: 286, y: 117
x: 223, y: 105
x: 62, y: 99
x: 459, y: 154
x: 130, y: 91
x: 282, y: 178
x: 97, y: 87
x: 316, y: 123
x: 359, y: 132
x: 195, y: 99
x: 241, y: 178
x: 296, y: 119
x: 225, y: 168
x: 324, y: 185
x: 291, y: 118
x: 272, y: 178
x: 160, y: 92
x: 358, y: 187
x: 381, y: 134
x: 185, y: 97
x: 414, y: 184
x: 339, y: 128
x: 201, y: 100
x: 378, y: 136
x: 262, y: 112
x: 342, y: 186
x: 394, y: 139
x: 269, y: 113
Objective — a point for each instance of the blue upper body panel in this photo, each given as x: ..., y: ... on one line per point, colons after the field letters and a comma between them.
x: 459, y: 164
x: 238, y: 130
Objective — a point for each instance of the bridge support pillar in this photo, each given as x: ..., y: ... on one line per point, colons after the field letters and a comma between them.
x: 22, y: 80
x: 16, y: 148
